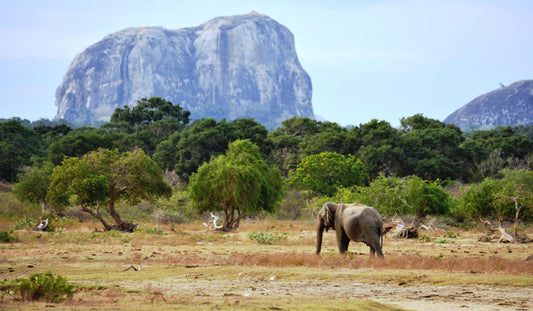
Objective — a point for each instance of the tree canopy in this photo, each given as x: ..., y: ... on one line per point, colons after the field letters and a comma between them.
x: 239, y: 183
x: 325, y: 172
x: 101, y: 178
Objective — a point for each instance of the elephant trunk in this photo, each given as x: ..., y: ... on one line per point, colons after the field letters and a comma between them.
x: 319, y: 233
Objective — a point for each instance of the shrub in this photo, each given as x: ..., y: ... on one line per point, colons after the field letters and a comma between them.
x: 266, y: 237
x: 24, y: 223
x: 5, y: 237
x: 39, y: 287
x: 149, y: 229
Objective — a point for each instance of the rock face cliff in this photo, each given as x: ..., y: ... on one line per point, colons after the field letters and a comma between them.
x: 229, y: 67
x: 508, y: 105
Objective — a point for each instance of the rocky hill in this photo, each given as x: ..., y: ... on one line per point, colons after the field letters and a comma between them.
x: 508, y: 105
x: 229, y: 67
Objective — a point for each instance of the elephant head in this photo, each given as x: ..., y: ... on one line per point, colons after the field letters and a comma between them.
x: 325, y: 220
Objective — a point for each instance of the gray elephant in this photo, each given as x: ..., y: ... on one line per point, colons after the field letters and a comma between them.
x: 355, y: 222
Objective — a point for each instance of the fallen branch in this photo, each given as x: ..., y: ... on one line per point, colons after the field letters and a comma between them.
x: 212, y: 225
x: 402, y: 231
x: 505, y: 237
x: 133, y: 267
x: 43, y: 226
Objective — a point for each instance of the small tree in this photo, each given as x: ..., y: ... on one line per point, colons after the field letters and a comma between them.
x: 101, y: 178
x: 238, y: 183
x: 324, y: 173
x: 33, y: 186
x: 425, y: 198
x: 502, y: 199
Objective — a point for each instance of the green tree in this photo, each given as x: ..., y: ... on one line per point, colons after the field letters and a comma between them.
x: 500, y: 148
x: 198, y: 143
x: 502, y: 199
x: 299, y: 137
x: 33, y: 186
x: 330, y: 137
x: 239, y: 183
x: 324, y: 173
x: 432, y: 150
x: 79, y: 142
x: 148, y: 111
x: 424, y: 198
x: 379, y: 148
x: 18, y: 145
x: 100, y: 179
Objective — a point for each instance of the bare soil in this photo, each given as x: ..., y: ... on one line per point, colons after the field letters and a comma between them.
x: 192, y: 269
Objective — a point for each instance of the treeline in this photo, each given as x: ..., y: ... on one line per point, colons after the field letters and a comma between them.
x: 421, y: 146
x: 426, y: 148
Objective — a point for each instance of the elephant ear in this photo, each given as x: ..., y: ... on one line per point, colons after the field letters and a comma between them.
x: 328, y: 217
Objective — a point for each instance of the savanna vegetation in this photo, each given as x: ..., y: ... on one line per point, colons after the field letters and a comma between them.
x: 155, y: 170
x: 422, y: 168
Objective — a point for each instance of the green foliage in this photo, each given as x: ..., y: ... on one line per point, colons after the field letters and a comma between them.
x: 5, y: 237
x: 17, y: 145
x: 499, y: 148
x: 185, y: 151
x: 101, y: 178
x: 396, y: 196
x: 151, y: 230
x: 239, y: 182
x: 425, y: 198
x: 39, y: 287
x: 266, y: 237
x: 176, y: 209
x: 23, y: 223
x: 386, y: 194
x: 150, y: 110
x: 380, y: 148
x: 498, y: 198
x: 292, y: 206
x: 33, y: 186
x: 432, y: 150
x: 324, y: 173
x: 79, y: 142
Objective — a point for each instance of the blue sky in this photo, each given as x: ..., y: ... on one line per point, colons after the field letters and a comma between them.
x: 367, y: 60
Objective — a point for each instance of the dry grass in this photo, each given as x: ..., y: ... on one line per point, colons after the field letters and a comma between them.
x: 179, y: 266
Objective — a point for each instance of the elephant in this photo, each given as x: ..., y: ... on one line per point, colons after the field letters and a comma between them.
x: 355, y: 222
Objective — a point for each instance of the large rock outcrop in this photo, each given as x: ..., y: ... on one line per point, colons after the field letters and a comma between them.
x: 508, y: 105
x: 229, y: 67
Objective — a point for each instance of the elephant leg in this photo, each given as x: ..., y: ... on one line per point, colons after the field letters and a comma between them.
x: 342, y: 241
x: 372, y: 252
x: 376, y: 248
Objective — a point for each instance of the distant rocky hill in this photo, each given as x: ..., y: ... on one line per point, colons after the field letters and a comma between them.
x: 229, y: 67
x: 508, y: 105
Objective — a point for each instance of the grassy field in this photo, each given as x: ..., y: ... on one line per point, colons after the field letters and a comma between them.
x: 268, y: 265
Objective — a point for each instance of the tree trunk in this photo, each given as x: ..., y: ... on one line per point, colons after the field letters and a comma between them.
x: 44, y: 207
x: 97, y: 215
x: 517, y: 209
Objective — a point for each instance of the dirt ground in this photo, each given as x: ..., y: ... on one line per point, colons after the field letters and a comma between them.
x: 190, y: 267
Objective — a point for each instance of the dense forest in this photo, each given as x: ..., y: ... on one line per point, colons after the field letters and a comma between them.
x: 423, y: 167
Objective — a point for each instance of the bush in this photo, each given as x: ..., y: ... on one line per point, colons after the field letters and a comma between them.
x: 23, y: 223
x: 292, y: 206
x: 12, y: 208
x: 266, y: 237
x: 5, y: 237
x: 149, y: 229
x: 39, y: 287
